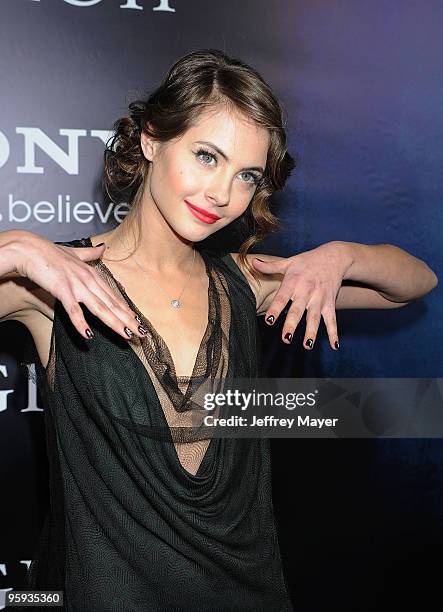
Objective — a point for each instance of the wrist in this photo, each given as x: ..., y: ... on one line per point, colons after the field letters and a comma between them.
x: 13, y: 246
x: 347, y: 256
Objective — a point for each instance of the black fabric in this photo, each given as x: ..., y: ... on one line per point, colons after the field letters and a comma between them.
x: 129, y: 528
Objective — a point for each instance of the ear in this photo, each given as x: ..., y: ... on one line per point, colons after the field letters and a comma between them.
x: 148, y: 145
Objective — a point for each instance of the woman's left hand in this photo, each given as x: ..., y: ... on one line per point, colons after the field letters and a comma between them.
x: 312, y: 280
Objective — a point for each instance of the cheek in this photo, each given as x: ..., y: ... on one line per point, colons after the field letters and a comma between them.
x: 182, y: 180
x: 241, y: 200
x: 172, y: 182
x: 188, y: 182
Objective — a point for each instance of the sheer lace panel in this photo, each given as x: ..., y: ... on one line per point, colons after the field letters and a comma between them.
x: 180, y: 397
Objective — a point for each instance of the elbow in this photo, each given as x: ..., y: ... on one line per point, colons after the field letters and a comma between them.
x: 432, y: 282
x: 429, y: 282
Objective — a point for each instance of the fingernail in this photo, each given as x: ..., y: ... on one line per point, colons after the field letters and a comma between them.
x: 270, y: 319
x: 310, y: 342
x: 288, y: 336
x: 89, y: 333
x: 336, y: 344
x: 128, y: 332
x: 142, y: 329
x: 138, y: 318
x: 99, y: 244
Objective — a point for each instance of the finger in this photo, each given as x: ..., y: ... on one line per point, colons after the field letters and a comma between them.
x: 313, y: 319
x: 285, y: 292
x: 125, y: 314
x: 329, y: 316
x: 279, y: 302
x: 94, y: 282
x: 89, y: 253
x: 271, y: 267
x: 289, y: 287
x: 293, y: 317
x: 71, y: 302
x: 117, y: 302
x: 101, y: 310
x: 75, y: 313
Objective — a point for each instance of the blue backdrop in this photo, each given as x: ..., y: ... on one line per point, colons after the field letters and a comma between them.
x: 361, y: 84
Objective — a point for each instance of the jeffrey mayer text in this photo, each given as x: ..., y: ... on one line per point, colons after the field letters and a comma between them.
x: 269, y: 421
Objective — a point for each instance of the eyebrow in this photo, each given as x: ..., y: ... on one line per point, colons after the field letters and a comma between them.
x: 211, y: 144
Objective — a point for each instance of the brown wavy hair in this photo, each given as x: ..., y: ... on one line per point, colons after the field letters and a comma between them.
x: 196, y: 82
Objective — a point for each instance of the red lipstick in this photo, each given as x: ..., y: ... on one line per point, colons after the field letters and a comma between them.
x: 202, y: 214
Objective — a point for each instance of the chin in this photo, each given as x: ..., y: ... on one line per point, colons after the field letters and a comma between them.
x: 191, y: 232
x: 198, y: 234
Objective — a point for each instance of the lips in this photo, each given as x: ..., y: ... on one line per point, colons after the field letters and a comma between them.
x: 202, y: 214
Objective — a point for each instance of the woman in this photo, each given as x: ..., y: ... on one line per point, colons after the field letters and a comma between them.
x: 147, y: 512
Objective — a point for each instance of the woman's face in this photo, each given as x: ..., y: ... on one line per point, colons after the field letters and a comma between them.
x: 214, y: 166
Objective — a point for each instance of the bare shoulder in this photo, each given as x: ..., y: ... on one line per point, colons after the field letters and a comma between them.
x: 266, y: 289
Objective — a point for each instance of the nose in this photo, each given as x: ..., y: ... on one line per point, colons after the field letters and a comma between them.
x: 219, y: 191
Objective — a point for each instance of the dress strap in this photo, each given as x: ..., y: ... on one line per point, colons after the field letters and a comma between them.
x: 230, y: 261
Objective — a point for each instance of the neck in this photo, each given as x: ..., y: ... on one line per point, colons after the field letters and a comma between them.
x: 146, y: 236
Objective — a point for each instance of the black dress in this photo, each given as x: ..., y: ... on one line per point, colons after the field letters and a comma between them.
x: 143, y: 516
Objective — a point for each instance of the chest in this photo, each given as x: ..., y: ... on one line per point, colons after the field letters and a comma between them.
x: 183, y: 329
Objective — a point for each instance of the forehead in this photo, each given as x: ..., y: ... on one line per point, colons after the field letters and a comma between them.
x: 232, y: 132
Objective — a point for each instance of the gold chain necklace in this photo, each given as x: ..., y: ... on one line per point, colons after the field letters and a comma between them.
x: 175, y: 303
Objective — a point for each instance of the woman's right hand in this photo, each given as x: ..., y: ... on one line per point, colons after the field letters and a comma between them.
x: 62, y: 271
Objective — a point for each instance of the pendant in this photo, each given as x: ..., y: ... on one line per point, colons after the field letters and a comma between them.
x: 175, y: 303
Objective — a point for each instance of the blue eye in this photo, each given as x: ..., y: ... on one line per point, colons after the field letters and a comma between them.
x: 255, y: 178
x: 212, y: 156
x: 206, y: 154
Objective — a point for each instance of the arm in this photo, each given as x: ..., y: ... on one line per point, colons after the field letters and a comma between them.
x: 336, y: 275
x: 373, y: 280
x: 34, y: 271
x: 16, y: 298
x: 7, y: 265
x: 395, y: 275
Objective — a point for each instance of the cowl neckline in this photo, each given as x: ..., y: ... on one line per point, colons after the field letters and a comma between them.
x: 179, y: 398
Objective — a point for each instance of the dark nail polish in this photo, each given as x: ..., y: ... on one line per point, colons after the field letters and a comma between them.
x: 128, y: 332
x: 270, y: 319
x: 310, y: 342
x: 142, y: 329
x: 336, y: 344
x: 137, y: 318
x: 89, y: 333
x: 288, y: 336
